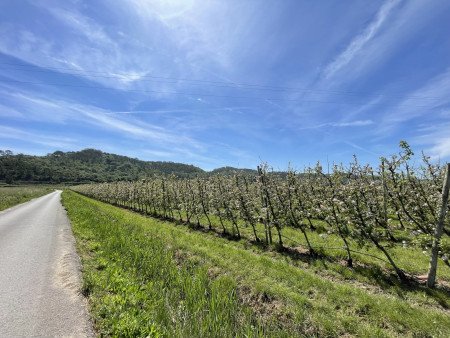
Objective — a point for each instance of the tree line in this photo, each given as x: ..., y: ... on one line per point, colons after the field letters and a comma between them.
x: 88, y: 165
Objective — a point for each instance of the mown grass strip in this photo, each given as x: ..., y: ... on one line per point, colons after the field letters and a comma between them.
x: 125, y: 275
x: 137, y: 287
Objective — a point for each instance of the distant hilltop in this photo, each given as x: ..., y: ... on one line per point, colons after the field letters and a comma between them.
x: 92, y: 165
x: 88, y: 165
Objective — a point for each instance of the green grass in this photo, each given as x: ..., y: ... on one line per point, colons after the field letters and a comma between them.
x: 140, y: 286
x: 148, y: 277
x: 10, y: 196
x: 409, y: 257
x: 370, y: 265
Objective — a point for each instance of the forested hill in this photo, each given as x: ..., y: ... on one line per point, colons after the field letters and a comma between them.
x: 88, y: 165
x: 232, y: 171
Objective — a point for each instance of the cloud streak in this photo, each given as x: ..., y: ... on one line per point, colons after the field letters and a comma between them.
x: 437, y: 88
x: 69, y: 111
x: 360, y: 41
x: 36, y: 137
x: 355, y: 123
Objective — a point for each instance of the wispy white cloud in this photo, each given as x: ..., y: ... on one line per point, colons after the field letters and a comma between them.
x: 60, y: 142
x: 137, y: 130
x: 167, y: 111
x: 160, y: 153
x: 432, y: 107
x: 33, y: 107
x: 428, y: 125
x: 205, y: 34
x: 174, y: 39
x: 392, y: 28
x: 358, y: 147
x: 351, y: 114
x: 435, y: 139
x: 355, y: 123
x: 441, y: 147
x: 433, y: 94
x: 82, y: 113
x: 82, y: 25
x: 396, y: 23
x: 9, y: 112
x: 89, y: 50
x: 360, y: 41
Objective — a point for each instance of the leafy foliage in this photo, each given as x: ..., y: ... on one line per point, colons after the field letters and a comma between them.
x: 88, y: 165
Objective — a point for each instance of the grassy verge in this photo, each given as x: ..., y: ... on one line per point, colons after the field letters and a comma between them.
x: 10, y: 196
x: 145, y: 276
x: 138, y: 285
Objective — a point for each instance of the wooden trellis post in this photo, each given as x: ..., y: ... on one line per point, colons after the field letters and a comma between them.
x: 439, y: 229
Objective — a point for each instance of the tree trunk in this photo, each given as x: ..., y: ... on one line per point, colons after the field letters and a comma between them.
x: 401, y: 275
x: 347, y: 248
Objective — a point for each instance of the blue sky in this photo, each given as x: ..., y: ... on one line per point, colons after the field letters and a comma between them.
x: 217, y: 83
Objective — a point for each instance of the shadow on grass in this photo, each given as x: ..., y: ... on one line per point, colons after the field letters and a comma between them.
x: 306, y: 256
x: 385, y: 279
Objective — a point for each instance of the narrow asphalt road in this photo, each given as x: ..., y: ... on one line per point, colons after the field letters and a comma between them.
x: 39, y: 272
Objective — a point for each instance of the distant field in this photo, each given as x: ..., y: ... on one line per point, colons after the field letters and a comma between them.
x: 10, y: 196
x: 145, y: 277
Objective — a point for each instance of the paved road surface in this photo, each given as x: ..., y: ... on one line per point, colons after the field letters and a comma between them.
x: 39, y: 272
